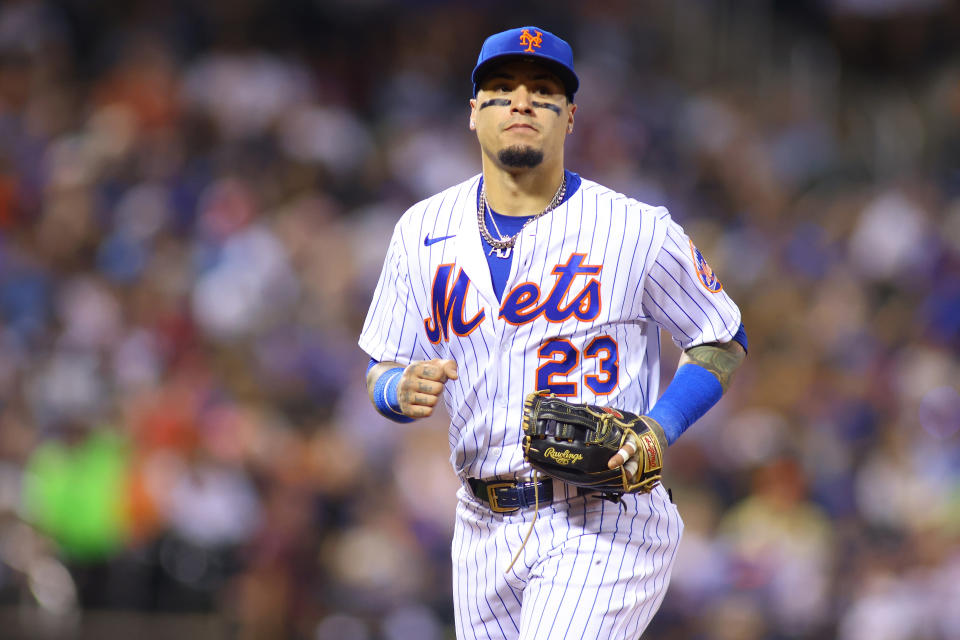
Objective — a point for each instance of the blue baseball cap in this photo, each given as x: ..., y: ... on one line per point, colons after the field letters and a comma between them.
x: 531, y: 43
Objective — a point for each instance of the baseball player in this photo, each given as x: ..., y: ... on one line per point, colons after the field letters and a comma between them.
x: 527, y: 278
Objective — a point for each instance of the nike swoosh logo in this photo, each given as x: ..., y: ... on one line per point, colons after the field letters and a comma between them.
x: 427, y: 240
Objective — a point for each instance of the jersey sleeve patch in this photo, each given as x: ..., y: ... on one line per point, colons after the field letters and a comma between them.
x: 705, y: 274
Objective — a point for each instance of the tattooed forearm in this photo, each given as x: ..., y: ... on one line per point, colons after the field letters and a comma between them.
x: 720, y: 359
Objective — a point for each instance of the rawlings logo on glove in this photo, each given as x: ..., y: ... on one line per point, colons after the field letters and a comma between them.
x: 575, y: 442
x: 562, y: 457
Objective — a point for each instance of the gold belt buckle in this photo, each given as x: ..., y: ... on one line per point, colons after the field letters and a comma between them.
x: 492, y: 497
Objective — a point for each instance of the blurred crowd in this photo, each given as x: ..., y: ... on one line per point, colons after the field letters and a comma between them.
x: 195, y: 201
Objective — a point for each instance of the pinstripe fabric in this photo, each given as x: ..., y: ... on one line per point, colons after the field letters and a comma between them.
x: 591, y: 569
x: 630, y: 270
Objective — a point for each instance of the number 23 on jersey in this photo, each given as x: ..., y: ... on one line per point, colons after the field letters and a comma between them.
x: 562, y: 357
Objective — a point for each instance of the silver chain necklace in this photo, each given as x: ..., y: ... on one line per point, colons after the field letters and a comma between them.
x: 504, y: 245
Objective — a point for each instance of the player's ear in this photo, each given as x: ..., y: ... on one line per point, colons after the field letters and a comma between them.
x: 473, y: 114
x: 570, y: 113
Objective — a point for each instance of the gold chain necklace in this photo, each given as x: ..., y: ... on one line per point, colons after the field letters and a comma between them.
x: 504, y: 245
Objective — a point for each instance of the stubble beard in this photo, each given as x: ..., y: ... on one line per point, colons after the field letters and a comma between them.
x: 520, y: 157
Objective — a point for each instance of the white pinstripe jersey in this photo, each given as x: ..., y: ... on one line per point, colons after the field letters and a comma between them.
x: 590, y: 284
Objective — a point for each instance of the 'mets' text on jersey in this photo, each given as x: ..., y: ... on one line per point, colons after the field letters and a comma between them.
x: 521, y: 305
x: 590, y: 285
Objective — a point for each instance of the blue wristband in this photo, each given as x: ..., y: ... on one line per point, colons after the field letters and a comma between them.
x: 691, y: 393
x: 385, y: 395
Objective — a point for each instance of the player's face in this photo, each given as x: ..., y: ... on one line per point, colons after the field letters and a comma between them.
x: 521, y: 111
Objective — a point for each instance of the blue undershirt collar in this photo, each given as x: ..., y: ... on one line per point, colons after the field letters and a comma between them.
x: 509, y: 225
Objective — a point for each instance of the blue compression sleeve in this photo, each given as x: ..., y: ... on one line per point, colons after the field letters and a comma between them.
x: 691, y: 393
x: 385, y: 394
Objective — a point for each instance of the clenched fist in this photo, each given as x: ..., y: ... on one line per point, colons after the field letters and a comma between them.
x: 421, y: 385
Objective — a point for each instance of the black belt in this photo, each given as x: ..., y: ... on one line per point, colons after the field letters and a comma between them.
x: 505, y: 496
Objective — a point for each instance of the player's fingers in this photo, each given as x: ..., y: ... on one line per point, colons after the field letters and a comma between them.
x: 424, y: 399
x: 422, y: 385
x: 411, y: 398
x: 624, y: 454
x: 450, y: 369
x: 618, y: 459
x: 417, y: 411
x: 432, y: 370
x: 438, y: 370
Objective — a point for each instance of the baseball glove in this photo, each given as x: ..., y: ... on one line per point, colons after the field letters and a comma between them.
x: 574, y: 442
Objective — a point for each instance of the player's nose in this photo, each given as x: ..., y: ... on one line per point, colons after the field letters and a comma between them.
x: 522, y: 100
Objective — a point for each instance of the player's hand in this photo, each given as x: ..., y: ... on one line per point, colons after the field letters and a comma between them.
x: 421, y: 385
x: 627, y: 455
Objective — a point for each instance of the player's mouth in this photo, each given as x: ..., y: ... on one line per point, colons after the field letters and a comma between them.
x: 520, y: 126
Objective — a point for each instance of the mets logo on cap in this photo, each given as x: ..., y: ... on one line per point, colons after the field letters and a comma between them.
x: 530, y: 41
x: 707, y: 277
